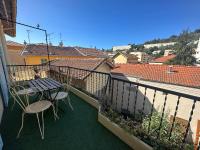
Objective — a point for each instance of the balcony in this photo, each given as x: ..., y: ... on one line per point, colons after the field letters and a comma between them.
x: 149, y: 117
x: 78, y: 129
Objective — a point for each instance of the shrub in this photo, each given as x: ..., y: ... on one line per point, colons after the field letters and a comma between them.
x: 161, y: 136
x: 140, y: 128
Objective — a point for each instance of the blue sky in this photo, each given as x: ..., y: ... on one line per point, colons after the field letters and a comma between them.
x: 104, y: 23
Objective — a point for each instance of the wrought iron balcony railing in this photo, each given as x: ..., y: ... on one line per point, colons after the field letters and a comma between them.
x: 161, y: 112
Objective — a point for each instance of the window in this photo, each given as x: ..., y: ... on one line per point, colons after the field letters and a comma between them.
x: 43, y: 60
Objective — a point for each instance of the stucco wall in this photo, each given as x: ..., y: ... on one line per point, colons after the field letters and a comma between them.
x: 35, y: 60
x: 159, y: 44
x: 95, y: 82
x: 120, y: 59
x: 124, y: 47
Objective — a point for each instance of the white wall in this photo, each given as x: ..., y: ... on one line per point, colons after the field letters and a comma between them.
x: 123, y: 47
x: 197, y: 55
x: 158, y: 44
x: 95, y: 82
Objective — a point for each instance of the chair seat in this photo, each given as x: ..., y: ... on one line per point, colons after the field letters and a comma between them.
x: 25, y: 91
x: 38, y: 106
x: 59, y: 95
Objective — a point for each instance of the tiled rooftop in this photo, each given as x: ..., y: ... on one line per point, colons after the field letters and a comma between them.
x: 12, y: 43
x: 180, y: 75
x: 164, y: 59
x: 41, y: 49
x: 82, y: 63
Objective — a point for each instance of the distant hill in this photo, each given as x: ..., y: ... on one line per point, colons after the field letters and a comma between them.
x: 194, y: 36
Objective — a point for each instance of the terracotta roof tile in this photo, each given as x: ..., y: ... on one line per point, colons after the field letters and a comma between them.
x: 181, y: 75
x: 12, y: 43
x: 92, y: 52
x: 164, y: 58
x: 41, y: 49
x: 82, y: 63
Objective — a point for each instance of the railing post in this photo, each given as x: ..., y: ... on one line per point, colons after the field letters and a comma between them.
x: 59, y: 72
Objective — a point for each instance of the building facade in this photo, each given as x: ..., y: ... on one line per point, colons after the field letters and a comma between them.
x: 119, y: 58
x: 159, y: 44
x: 121, y: 48
x: 142, y: 56
x: 197, y: 54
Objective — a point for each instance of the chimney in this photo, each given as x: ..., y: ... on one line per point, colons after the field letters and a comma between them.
x: 170, y: 69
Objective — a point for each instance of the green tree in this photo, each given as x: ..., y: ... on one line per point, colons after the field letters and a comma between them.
x: 184, y: 50
x: 184, y: 56
x: 136, y: 48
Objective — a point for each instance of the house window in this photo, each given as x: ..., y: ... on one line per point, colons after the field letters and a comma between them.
x: 43, y: 60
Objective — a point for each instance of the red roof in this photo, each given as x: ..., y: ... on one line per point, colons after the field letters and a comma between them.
x: 12, y: 43
x: 41, y: 50
x: 181, y: 75
x: 164, y: 59
x: 92, y: 52
x: 82, y: 63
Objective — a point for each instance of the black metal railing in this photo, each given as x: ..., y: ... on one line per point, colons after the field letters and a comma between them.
x: 26, y: 72
x: 92, y: 82
x: 136, y: 100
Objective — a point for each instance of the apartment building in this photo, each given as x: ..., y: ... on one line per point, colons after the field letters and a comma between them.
x: 168, y: 52
x: 142, y: 57
x: 197, y: 54
x: 159, y: 44
x: 121, y: 48
x: 123, y: 58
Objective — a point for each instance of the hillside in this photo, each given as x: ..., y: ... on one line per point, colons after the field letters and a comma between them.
x: 194, y: 35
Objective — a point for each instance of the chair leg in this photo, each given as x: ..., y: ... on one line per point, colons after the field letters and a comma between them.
x: 43, y: 124
x: 54, y: 112
x: 41, y: 130
x: 21, y: 125
x: 13, y: 105
x: 69, y: 101
x: 57, y: 106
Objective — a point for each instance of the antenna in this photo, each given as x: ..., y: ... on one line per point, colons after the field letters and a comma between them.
x: 61, y: 41
x: 49, y: 37
x: 28, y: 34
x: 60, y: 37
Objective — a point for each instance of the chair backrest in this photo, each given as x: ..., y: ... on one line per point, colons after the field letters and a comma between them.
x: 66, y: 85
x: 22, y: 100
x: 12, y: 78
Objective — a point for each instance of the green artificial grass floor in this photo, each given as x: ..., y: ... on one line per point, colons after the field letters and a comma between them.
x: 75, y: 130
